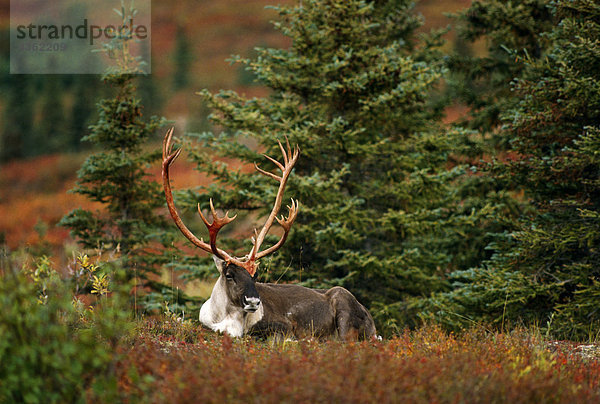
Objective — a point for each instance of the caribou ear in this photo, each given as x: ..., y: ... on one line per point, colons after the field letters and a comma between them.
x: 255, y: 276
x: 219, y: 263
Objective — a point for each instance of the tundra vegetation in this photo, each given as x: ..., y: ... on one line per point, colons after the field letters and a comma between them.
x: 474, y: 244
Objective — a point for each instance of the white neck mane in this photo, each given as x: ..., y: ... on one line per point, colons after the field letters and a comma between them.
x: 219, y: 314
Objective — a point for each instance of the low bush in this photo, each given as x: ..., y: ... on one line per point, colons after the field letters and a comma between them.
x: 423, y: 366
x: 47, y: 353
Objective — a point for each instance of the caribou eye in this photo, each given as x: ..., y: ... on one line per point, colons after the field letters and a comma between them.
x: 229, y: 277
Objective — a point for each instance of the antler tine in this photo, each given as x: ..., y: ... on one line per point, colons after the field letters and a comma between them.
x: 254, y: 245
x: 167, y: 146
x: 285, y: 156
x: 292, y: 213
x: 277, y: 163
x: 220, y: 221
x: 289, y: 159
x: 286, y: 224
x: 292, y: 156
x: 169, y: 157
x: 213, y: 230
x: 267, y: 173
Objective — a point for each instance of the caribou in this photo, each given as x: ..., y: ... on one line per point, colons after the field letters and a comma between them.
x: 239, y: 305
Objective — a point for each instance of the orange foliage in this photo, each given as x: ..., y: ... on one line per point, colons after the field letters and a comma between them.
x: 36, y: 192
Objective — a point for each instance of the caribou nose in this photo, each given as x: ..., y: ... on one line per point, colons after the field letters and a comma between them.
x: 251, y: 304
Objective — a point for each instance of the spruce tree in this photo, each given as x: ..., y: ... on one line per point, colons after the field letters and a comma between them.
x: 547, y: 273
x: 511, y: 30
x: 117, y: 177
x: 382, y: 206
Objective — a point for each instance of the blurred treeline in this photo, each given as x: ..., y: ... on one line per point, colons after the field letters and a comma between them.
x: 44, y: 114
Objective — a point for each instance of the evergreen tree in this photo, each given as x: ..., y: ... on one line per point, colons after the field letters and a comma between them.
x: 510, y: 29
x: 117, y: 177
x: 548, y: 271
x: 382, y: 206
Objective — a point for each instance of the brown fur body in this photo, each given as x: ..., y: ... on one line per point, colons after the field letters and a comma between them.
x: 301, y: 312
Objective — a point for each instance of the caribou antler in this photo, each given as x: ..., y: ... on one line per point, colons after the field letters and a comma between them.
x: 213, y: 228
x: 249, y: 262
x: 289, y: 161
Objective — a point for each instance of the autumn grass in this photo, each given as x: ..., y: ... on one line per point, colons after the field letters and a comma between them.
x: 181, y: 362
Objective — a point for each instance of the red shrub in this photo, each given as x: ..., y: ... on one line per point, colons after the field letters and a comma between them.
x: 423, y: 366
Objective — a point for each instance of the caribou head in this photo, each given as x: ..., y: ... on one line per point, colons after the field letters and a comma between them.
x: 239, y: 286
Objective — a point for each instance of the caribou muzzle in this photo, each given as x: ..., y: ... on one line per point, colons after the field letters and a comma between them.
x: 251, y: 304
